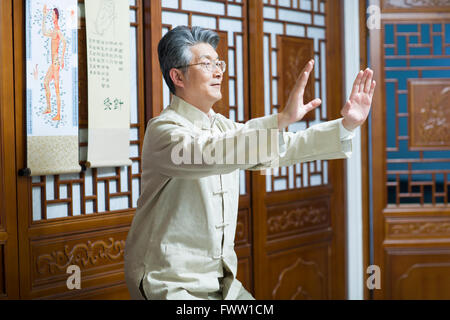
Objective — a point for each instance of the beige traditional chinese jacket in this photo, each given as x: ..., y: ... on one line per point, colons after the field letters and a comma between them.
x: 182, y: 235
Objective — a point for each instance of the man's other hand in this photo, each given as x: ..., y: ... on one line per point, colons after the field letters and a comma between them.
x: 295, y: 110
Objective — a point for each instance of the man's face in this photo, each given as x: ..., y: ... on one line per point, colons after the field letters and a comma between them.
x: 203, y: 85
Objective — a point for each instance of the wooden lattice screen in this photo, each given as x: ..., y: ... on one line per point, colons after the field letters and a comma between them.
x: 95, y: 190
x: 294, y: 33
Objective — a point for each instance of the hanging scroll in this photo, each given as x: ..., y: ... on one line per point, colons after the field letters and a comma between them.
x: 52, y: 87
x: 108, y: 54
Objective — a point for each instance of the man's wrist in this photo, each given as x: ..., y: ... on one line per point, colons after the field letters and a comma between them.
x: 348, y: 126
x: 282, y: 123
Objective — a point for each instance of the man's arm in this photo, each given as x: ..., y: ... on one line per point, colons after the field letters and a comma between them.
x: 328, y: 140
x: 44, y: 30
x: 181, y: 152
x: 323, y: 141
x: 170, y: 146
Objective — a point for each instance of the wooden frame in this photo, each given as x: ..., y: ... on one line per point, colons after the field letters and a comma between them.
x: 335, y: 51
x: 153, y: 80
x: 9, y: 273
x: 363, y: 34
x: 377, y: 122
x: 256, y: 93
x: 262, y: 201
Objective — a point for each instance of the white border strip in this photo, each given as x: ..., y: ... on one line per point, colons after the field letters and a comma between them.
x: 355, y: 275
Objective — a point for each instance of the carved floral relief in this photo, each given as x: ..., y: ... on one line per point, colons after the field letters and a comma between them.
x: 298, y: 218
x: 429, y: 105
x: 87, y: 254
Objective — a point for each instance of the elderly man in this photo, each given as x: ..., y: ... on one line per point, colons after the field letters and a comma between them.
x: 181, y: 242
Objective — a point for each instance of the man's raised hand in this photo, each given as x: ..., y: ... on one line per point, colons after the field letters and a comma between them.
x: 295, y: 110
x: 357, y: 107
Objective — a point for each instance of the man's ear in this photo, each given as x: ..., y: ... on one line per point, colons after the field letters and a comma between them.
x: 177, y: 77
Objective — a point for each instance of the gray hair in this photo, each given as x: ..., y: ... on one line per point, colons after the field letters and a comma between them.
x: 174, y: 48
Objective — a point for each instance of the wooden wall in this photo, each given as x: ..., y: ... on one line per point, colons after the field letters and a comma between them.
x: 291, y: 226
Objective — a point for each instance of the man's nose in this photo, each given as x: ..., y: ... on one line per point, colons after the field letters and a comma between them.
x: 217, y: 73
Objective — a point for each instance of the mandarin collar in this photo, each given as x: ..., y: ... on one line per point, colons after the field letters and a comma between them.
x: 192, y: 113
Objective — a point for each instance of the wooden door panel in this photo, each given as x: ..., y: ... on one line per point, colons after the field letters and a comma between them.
x: 243, y: 247
x: 418, y: 273
x: 410, y: 55
x: 296, y: 218
x: 99, y: 255
x: 301, y: 273
x: 300, y: 205
x: 244, y: 271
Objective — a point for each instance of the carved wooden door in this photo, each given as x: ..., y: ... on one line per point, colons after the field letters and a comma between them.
x: 298, y: 211
x: 411, y: 143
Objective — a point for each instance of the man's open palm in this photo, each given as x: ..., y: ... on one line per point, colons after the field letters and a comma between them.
x: 357, y: 107
x: 295, y: 108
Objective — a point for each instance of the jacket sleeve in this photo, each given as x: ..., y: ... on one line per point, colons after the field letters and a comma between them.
x: 323, y: 141
x: 178, y: 151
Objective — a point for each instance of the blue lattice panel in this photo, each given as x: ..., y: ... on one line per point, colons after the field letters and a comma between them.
x: 417, y: 56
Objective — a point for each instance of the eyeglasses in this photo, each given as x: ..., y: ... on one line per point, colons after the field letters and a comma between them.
x: 209, y: 66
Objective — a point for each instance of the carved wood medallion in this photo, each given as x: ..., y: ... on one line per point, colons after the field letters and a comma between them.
x: 429, y: 113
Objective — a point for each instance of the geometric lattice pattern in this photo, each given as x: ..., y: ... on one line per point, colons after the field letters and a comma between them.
x: 303, y: 20
x: 103, y: 189
x: 414, y: 53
